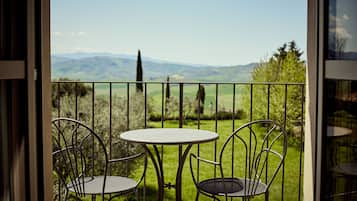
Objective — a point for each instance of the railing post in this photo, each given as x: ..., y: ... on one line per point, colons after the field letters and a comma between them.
x: 162, y: 104
x: 93, y: 98
x: 181, y: 105
x: 181, y: 119
x: 76, y: 102
x: 145, y: 105
x: 301, y: 138
x: 283, y: 166
x: 127, y: 124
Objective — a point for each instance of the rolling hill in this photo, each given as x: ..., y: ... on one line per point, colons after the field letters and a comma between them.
x: 110, y: 67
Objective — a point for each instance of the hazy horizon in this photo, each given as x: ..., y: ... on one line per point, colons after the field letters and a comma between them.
x: 81, y: 55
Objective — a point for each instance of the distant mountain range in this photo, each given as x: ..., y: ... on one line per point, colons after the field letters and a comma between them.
x: 113, y: 67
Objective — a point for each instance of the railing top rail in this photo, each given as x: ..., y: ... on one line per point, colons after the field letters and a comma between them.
x: 178, y: 82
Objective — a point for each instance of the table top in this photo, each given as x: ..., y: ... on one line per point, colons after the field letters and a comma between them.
x: 334, y: 131
x: 168, y: 136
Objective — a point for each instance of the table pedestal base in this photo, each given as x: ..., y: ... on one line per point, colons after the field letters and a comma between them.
x: 157, y: 162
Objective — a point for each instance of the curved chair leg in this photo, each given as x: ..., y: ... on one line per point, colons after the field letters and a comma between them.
x: 266, y: 196
x: 215, y: 198
x: 137, y: 194
x: 113, y: 196
x: 197, y: 195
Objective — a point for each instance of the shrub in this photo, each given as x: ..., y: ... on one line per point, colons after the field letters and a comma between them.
x: 120, y: 122
x: 221, y: 115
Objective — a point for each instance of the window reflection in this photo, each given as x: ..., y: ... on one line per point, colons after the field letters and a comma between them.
x: 341, y: 140
x: 342, y: 30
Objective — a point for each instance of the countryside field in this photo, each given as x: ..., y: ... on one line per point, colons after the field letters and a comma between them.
x: 155, y: 91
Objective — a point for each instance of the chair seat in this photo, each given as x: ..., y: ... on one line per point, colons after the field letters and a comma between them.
x: 216, y: 186
x: 234, y: 187
x: 113, y: 184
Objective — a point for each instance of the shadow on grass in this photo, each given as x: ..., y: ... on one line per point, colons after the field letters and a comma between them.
x: 151, y: 195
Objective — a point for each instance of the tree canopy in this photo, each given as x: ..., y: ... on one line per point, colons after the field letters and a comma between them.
x: 284, y: 66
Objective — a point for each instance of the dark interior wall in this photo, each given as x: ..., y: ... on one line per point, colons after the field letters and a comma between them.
x: 13, y: 124
x: 12, y: 29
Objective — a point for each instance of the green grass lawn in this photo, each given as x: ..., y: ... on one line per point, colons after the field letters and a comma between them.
x: 207, y: 151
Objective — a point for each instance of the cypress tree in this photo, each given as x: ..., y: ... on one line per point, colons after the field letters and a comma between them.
x: 167, y: 94
x: 167, y: 88
x: 139, y: 74
x: 200, y: 96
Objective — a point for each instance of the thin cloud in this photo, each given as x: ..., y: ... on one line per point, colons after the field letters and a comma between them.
x: 57, y: 33
x: 77, y: 34
x: 82, y: 49
x: 68, y: 34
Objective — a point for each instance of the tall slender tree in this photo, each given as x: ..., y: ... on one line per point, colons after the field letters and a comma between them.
x: 167, y: 94
x: 200, y: 97
x: 168, y: 88
x: 139, y: 74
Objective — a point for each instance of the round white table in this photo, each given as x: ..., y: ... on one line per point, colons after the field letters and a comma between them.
x: 335, y: 131
x: 168, y: 136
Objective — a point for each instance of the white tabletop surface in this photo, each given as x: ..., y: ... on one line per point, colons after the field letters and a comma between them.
x: 334, y: 131
x: 168, y: 136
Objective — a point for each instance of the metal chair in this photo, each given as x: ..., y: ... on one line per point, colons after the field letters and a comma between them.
x: 342, y: 182
x: 82, y: 165
x: 248, y: 163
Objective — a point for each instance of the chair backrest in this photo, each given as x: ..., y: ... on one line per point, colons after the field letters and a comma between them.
x: 79, y: 154
x: 255, y: 152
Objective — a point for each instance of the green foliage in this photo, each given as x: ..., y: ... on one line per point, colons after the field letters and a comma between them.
x: 172, y: 113
x: 67, y: 89
x: 172, y: 107
x: 101, y: 122
x: 285, y: 66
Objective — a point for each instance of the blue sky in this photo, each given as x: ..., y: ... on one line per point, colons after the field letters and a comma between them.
x: 214, y: 32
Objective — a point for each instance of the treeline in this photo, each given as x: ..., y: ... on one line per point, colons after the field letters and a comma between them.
x: 284, y: 66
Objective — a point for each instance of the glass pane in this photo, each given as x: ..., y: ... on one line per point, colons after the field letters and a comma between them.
x: 342, y: 29
x: 341, y: 140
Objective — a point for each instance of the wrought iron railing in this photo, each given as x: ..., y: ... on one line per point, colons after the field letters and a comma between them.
x: 252, y: 98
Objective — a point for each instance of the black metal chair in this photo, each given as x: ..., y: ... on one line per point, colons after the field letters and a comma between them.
x: 82, y: 165
x: 248, y: 163
x: 342, y: 182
